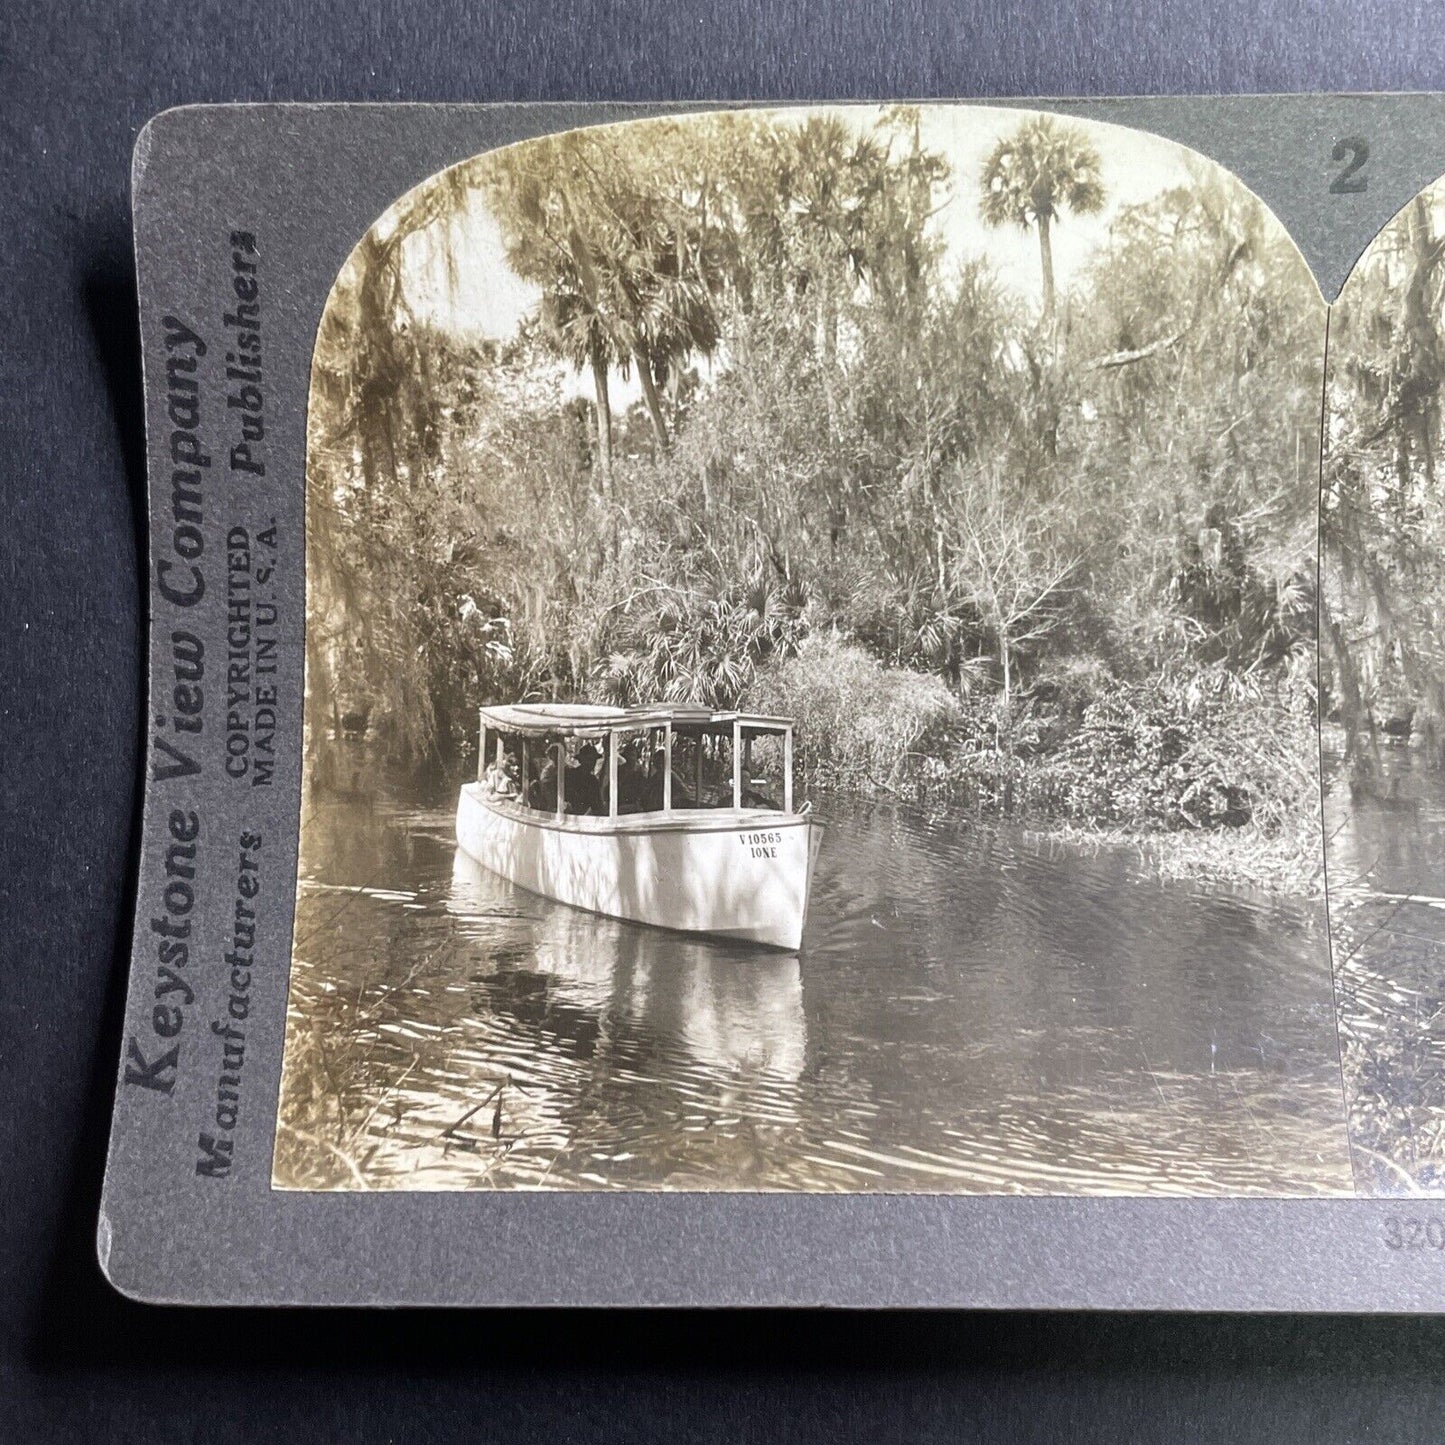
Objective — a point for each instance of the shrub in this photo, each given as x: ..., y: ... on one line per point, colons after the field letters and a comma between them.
x: 860, y: 723
x: 1171, y: 754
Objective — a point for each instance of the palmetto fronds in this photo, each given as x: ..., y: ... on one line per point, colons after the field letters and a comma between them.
x: 1042, y: 169
x: 704, y: 645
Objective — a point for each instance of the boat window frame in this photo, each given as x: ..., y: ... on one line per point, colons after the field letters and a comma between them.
x: 696, y: 731
x: 614, y: 755
x: 612, y: 752
x: 763, y: 729
x: 743, y: 729
x: 493, y: 740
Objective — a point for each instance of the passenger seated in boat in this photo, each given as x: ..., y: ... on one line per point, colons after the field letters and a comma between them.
x: 543, y: 792
x: 681, y: 798
x: 631, y: 781
x: 583, y: 792
x: 506, y: 782
x: 502, y: 777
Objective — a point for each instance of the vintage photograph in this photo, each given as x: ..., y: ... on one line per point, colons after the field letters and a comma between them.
x: 812, y: 674
x: 1383, y: 651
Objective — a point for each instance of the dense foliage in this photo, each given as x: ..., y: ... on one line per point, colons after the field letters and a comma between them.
x: 1384, y: 513
x: 1056, y: 557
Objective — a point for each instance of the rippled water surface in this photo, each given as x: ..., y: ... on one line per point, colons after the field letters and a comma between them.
x: 970, y: 1012
x: 1386, y: 859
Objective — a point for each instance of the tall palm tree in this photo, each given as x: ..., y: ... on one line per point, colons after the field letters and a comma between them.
x: 1033, y: 175
x: 624, y: 266
x: 545, y: 218
x: 576, y: 329
x: 660, y: 267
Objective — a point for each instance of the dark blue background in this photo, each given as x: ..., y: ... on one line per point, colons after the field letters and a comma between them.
x: 76, y: 82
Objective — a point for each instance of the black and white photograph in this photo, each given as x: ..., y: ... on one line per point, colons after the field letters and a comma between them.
x: 1383, y: 607
x: 812, y: 673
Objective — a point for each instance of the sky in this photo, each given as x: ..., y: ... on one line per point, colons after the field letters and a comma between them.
x: 489, y: 300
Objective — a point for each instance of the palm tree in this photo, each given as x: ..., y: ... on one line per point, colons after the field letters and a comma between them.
x: 661, y: 270
x: 575, y: 329
x: 625, y: 266
x: 537, y: 203
x: 1032, y: 176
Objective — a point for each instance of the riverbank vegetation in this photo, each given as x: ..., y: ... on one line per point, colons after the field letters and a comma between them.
x: 769, y: 434
x: 1383, y: 505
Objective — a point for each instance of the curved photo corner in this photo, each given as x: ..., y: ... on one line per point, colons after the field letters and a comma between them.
x: 939, y: 484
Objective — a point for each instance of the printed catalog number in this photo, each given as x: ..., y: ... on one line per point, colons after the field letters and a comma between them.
x: 1415, y: 1234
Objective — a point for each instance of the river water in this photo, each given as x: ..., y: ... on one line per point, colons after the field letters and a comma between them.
x: 1386, y: 858
x: 972, y: 1011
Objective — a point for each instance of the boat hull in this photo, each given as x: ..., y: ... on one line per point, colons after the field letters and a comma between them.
x: 739, y: 874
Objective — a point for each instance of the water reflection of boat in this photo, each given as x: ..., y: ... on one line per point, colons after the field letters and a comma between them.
x: 679, y: 817
x: 736, y: 1011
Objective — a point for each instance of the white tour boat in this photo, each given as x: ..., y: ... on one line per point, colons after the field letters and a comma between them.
x: 678, y: 816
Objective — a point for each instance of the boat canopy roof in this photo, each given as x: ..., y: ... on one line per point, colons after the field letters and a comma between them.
x: 593, y: 719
